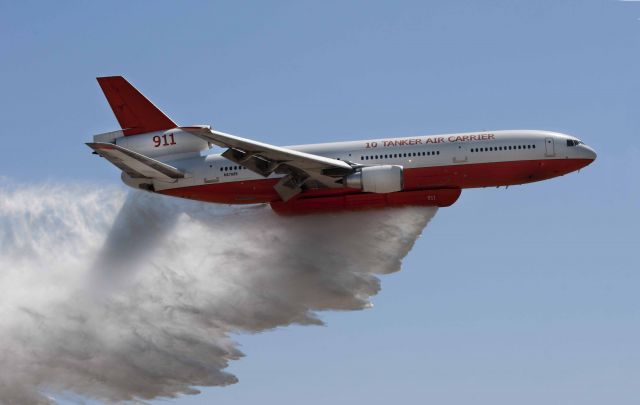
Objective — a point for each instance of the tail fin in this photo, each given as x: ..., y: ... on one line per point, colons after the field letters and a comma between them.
x: 135, y: 114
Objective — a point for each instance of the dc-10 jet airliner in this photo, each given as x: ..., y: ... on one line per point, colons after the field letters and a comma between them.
x: 157, y: 155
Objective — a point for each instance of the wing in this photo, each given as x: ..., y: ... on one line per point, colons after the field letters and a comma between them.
x: 300, y: 168
x: 135, y: 164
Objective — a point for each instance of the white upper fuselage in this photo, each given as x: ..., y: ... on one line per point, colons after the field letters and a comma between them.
x: 409, y: 152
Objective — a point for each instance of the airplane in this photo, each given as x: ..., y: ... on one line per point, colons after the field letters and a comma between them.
x: 157, y: 155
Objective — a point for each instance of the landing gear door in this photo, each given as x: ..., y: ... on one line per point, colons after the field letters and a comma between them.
x: 549, y: 146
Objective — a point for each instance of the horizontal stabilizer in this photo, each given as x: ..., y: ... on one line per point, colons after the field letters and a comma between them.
x: 134, y: 164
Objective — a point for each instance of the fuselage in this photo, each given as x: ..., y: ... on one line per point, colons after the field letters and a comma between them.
x: 433, y: 162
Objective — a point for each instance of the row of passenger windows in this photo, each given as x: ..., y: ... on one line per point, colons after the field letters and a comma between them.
x: 400, y: 155
x: 411, y: 154
x: 231, y: 168
x: 498, y: 148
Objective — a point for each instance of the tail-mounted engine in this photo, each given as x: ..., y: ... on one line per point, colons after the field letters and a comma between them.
x: 162, y: 143
x: 376, y: 179
x: 158, y: 144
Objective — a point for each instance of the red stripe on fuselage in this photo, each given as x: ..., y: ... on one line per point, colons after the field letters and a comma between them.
x: 423, y: 178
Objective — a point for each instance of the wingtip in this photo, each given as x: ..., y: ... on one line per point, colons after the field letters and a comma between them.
x: 99, y: 145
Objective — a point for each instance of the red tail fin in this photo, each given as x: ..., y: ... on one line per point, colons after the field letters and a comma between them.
x: 135, y: 114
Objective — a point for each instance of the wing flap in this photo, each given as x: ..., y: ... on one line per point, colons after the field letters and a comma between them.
x: 135, y: 164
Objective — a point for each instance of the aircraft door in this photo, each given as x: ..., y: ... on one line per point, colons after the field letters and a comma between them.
x: 460, y: 155
x: 549, y: 146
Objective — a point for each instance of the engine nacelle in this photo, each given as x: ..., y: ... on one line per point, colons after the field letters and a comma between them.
x: 163, y: 143
x: 376, y: 179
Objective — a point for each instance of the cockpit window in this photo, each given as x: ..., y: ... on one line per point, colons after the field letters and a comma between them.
x: 573, y: 142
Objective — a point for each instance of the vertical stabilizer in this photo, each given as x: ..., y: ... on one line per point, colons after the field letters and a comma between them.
x: 135, y: 114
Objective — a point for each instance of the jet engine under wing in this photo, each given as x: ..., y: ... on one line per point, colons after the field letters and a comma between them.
x: 265, y: 159
x: 135, y: 164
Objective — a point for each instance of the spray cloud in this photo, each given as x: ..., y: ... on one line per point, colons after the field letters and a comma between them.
x: 119, y: 296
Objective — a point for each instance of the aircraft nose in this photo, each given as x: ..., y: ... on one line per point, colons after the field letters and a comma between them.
x: 588, y: 152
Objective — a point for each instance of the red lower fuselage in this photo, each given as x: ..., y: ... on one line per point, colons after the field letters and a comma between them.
x: 431, y: 186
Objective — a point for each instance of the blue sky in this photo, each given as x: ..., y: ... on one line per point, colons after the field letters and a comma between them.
x: 527, y: 295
